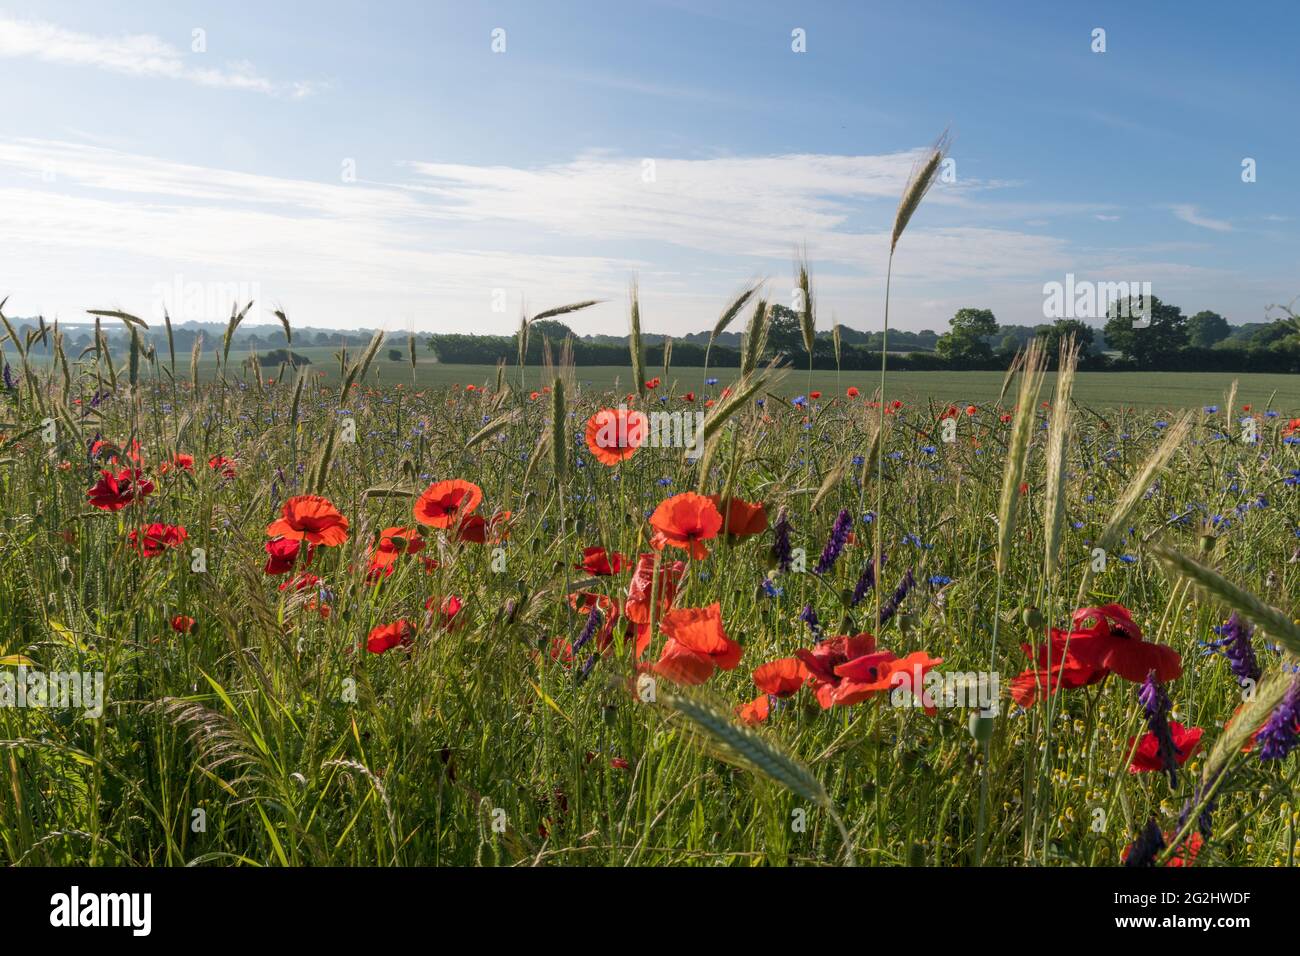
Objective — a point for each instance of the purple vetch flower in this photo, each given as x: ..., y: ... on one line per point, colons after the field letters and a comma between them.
x: 866, y: 581
x: 1156, y: 703
x: 809, y: 617
x: 890, y: 607
x: 1278, y: 737
x: 1150, y: 841
x: 835, y: 543
x: 1204, y: 820
x: 1236, y: 646
x: 9, y: 379
x: 781, y: 549
x: 593, y: 622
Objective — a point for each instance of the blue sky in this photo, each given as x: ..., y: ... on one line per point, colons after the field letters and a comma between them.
x: 684, y: 144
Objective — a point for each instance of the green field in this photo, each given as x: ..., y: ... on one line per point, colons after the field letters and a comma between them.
x: 1094, y: 389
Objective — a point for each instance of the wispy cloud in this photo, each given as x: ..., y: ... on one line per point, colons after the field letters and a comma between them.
x: 1189, y: 214
x: 85, y: 222
x: 139, y: 54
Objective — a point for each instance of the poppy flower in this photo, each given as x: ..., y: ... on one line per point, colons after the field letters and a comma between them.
x: 301, y: 582
x: 600, y: 562
x: 614, y: 435
x: 222, y: 464
x: 282, y: 555
x: 1107, y: 637
x: 113, y: 492
x: 310, y: 518
x: 1147, y: 755
x: 182, y: 624
x: 781, y: 678
x: 823, y: 659
x: 393, y: 542
x: 686, y: 521
x: 1185, y: 855
x: 443, y: 502
x: 447, y: 611
x: 479, y: 530
x: 756, y: 711
x: 647, y: 585
x: 183, y: 462
x: 851, y: 391
x: 814, y: 395
x: 156, y: 538
x: 387, y: 636
x: 882, y: 671
x: 696, y: 646
x: 741, y: 518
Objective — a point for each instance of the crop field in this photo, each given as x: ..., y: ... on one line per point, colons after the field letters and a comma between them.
x: 1147, y: 390
x: 489, y: 620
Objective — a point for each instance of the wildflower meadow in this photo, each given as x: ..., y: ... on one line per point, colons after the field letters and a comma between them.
x: 272, y: 617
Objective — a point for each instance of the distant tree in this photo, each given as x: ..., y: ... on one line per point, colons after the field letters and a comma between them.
x: 1164, y: 335
x: 395, y: 355
x: 1206, y: 328
x: 1053, y: 335
x: 783, y: 331
x: 968, y: 330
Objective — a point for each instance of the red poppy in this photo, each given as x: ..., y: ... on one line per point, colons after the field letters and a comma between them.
x: 742, y: 519
x: 614, y: 434
x: 1107, y: 637
x: 1146, y: 757
x: 756, y: 711
x: 222, y: 464
x: 686, y: 521
x: 697, y: 644
x: 182, y: 624
x: 393, y: 542
x: 600, y: 562
x: 851, y: 391
x: 114, y: 492
x: 282, y: 555
x: 814, y: 395
x: 689, y: 397
x: 823, y: 659
x: 479, y: 530
x: 443, y: 502
x: 1184, y: 856
x: 301, y: 582
x: 447, y: 611
x: 882, y: 671
x: 387, y: 636
x: 647, y: 585
x: 183, y: 462
x: 310, y: 518
x: 781, y: 678
x: 156, y: 538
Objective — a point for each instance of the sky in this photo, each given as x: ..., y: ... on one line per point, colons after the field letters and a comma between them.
x: 449, y: 166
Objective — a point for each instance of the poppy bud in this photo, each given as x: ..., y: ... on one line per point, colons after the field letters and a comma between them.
x: 65, y: 572
x: 981, y: 727
x: 1033, y: 618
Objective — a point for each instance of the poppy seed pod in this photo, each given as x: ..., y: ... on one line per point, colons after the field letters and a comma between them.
x: 981, y: 727
x: 1033, y: 618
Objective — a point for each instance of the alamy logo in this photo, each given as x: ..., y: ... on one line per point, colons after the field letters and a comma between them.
x: 55, y: 690
x: 72, y: 909
x: 1084, y: 299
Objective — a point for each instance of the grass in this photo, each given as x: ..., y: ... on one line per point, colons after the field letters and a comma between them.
x: 1147, y: 390
x: 476, y: 745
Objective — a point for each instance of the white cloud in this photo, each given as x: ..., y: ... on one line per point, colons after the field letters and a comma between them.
x: 91, y: 227
x: 139, y: 54
x: 1189, y: 214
